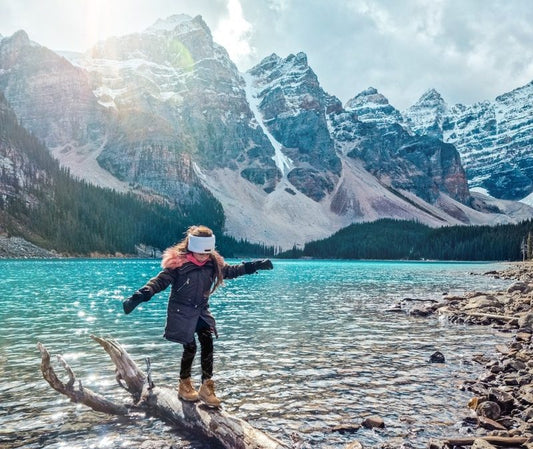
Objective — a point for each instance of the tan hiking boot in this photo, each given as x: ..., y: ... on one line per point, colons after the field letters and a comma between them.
x: 207, y: 394
x: 186, y: 391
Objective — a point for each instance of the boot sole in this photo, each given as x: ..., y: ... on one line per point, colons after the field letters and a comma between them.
x: 187, y: 400
x: 210, y: 405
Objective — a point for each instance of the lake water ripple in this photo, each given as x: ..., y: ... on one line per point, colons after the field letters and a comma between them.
x: 302, y: 348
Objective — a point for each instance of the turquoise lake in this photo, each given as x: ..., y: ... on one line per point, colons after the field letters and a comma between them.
x: 302, y: 348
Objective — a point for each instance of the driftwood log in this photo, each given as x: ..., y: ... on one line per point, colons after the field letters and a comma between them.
x: 230, y: 431
x: 494, y: 440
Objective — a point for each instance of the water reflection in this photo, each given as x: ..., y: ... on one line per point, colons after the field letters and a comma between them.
x: 301, y: 349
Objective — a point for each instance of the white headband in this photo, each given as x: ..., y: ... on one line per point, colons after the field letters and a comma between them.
x: 201, y: 245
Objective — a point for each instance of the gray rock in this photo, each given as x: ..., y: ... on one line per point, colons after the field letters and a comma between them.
x: 513, y: 365
x: 518, y: 286
x: 18, y: 248
x: 354, y: 445
x: 373, y: 422
x: 526, y: 320
x: 489, y: 409
x: 482, y: 302
x: 437, y: 357
x: 527, y: 414
x: 504, y: 399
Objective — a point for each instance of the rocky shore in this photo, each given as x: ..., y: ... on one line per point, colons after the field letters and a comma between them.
x: 18, y: 248
x: 502, y: 396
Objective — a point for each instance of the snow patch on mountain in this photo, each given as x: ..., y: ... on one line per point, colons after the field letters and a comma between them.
x: 283, y: 162
x: 163, y: 82
x: 528, y: 200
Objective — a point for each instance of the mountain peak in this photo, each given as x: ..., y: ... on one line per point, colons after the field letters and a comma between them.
x: 371, y: 106
x: 426, y: 116
x: 367, y: 96
x: 292, y: 65
x: 19, y: 38
x: 526, y: 90
x: 179, y: 24
x: 300, y: 58
x: 170, y: 23
x: 369, y: 91
x: 431, y: 96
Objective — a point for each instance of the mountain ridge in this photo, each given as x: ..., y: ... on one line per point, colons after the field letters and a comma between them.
x: 169, y: 114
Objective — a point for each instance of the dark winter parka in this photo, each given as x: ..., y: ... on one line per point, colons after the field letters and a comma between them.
x: 189, y: 295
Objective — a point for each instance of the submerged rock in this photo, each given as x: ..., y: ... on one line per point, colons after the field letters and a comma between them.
x: 437, y: 357
x: 373, y: 422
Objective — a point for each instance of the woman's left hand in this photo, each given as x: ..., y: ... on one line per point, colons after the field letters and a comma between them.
x: 261, y: 264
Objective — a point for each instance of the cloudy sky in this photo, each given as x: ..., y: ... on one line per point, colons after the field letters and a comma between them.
x: 469, y: 50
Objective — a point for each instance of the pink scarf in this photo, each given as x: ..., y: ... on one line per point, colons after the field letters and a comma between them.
x: 190, y: 257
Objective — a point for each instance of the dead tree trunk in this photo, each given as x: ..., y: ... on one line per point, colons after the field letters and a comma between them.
x: 230, y: 431
x: 494, y: 440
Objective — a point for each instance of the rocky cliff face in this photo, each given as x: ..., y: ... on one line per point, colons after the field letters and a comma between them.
x: 180, y: 103
x: 494, y: 138
x: 148, y: 108
x: 369, y: 129
x: 51, y: 97
x: 292, y: 106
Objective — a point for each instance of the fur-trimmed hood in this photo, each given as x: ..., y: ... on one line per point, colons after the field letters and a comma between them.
x: 172, y: 258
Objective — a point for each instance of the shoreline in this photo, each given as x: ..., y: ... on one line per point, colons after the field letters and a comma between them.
x: 502, y: 395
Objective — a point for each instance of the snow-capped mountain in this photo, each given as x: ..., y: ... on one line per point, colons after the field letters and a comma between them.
x: 373, y: 107
x: 495, y: 138
x: 427, y: 116
x: 165, y: 112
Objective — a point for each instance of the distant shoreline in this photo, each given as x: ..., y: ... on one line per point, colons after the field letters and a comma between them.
x: 17, y: 248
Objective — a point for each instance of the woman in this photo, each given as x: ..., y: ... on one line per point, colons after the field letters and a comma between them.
x: 194, y: 270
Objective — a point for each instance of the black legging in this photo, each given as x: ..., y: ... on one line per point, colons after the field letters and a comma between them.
x: 205, y: 338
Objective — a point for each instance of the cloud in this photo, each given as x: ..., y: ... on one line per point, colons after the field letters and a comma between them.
x: 469, y: 51
x: 233, y: 33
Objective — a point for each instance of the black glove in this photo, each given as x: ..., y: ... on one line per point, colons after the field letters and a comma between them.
x: 134, y: 300
x: 262, y: 264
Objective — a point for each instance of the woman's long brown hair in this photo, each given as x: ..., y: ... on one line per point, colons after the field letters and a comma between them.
x: 203, y: 231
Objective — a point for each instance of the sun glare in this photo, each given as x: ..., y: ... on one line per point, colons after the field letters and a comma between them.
x: 100, y: 20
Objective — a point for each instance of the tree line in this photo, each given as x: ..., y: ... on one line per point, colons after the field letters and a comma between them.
x: 399, y: 239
